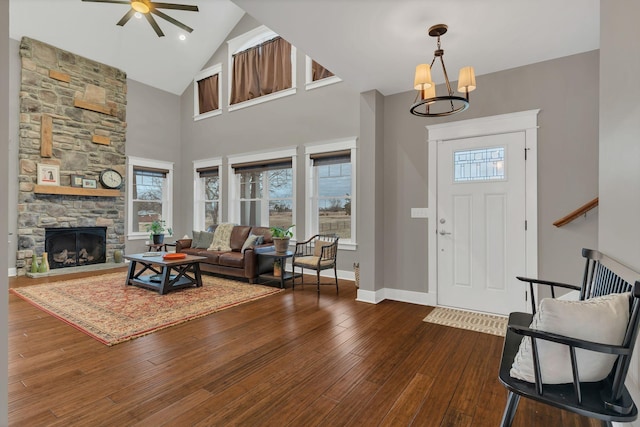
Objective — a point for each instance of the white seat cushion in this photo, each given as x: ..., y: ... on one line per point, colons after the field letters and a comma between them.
x: 603, y: 320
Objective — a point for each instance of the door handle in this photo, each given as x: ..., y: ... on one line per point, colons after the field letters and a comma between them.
x: 443, y: 233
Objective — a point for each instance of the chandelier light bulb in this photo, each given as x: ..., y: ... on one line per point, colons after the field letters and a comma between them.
x: 427, y: 102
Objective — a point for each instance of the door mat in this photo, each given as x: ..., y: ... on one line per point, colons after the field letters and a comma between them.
x: 106, y: 309
x: 472, y: 321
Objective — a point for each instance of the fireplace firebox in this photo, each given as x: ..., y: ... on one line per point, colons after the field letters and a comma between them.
x: 73, y: 247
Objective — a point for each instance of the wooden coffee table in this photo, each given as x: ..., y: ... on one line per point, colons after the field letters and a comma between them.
x: 187, y: 272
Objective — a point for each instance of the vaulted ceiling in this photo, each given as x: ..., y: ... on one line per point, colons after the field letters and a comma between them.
x: 370, y: 44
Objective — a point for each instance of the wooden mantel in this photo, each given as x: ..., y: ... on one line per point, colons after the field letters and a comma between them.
x: 75, y: 191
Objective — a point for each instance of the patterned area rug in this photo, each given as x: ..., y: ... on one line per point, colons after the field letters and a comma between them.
x: 479, y: 322
x: 107, y: 310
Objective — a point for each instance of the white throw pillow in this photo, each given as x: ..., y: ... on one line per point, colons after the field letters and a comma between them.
x: 222, y: 238
x: 602, y: 319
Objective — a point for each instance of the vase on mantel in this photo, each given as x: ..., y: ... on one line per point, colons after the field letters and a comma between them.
x: 44, y: 265
x: 34, y: 264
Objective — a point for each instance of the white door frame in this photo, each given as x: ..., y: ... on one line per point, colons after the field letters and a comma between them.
x: 524, y: 121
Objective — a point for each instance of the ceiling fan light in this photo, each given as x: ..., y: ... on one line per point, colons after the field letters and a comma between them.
x: 140, y: 6
x: 422, y: 79
x: 466, y: 80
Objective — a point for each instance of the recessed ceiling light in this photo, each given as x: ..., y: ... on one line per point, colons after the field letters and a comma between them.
x: 182, y: 37
x: 137, y: 15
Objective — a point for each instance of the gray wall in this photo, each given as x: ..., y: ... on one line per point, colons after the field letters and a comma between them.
x: 619, y: 230
x: 317, y: 115
x: 371, y: 195
x: 620, y: 133
x: 14, y: 125
x: 565, y: 91
x: 4, y: 209
x: 153, y: 132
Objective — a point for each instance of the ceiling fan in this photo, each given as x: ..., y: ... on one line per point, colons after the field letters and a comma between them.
x: 148, y: 7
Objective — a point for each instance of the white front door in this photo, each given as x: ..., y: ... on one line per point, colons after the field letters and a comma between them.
x: 481, y: 245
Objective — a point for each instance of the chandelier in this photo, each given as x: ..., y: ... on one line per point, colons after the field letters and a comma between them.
x: 430, y: 105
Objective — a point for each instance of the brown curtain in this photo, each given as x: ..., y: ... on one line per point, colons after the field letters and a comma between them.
x: 318, y: 72
x: 245, y: 84
x: 275, y: 66
x: 208, y: 94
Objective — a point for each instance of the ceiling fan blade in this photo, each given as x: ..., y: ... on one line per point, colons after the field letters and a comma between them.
x: 173, y: 21
x: 154, y: 24
x: 174, y: 6
x: 109, y: 1
x: 126, y: 17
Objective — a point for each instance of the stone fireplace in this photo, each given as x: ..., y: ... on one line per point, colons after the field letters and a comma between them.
x: 72, y: 121
x: 73, y: 247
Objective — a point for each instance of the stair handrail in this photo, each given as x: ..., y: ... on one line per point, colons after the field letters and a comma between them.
x: 578, y: 212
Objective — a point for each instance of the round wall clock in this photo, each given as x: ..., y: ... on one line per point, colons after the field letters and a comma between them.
x: 110, y: 178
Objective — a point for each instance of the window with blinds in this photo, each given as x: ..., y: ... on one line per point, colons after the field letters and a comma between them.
x: 261, y: 70
x: 206, y: 89
x: 331, y: 190
x: 265, y: 192
x: 262, y: 67
x: 317, y: 75
x: 148, y: 196
x: 318, y: 72
x: 209, y: 195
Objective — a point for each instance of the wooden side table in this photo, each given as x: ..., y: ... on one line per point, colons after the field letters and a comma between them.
x: 156, y: 247
x: 159, y: 247
x: 282, y: 257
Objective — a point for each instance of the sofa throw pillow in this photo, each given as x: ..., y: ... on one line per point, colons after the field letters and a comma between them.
x: 205, y: 240
x: 201, y: 239
x: 222, y: 238
x: 603, y: 319
x: 195, y: 239
x: 251, y: 241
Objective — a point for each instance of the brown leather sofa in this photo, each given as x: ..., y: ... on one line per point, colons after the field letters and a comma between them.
x: 234, y: 263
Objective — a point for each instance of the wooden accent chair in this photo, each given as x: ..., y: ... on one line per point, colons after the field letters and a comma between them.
x: 317, y: 253
x: 607, y: 399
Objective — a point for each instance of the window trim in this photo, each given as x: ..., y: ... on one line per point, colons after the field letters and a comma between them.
x: 207, y: 72
x: 310, y: 84
x: 233, y: 209
x: 243, y: 42
x: 327, y: 147
x: 167, y: 201
x: 198, y: 214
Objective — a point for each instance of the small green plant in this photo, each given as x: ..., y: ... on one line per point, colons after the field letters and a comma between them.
x: 282, y: 232
x: 158, y: 227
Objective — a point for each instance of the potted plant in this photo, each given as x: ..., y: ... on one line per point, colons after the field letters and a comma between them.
x: 281, y: 237
x: 156, y: 231
x: 277, y: 268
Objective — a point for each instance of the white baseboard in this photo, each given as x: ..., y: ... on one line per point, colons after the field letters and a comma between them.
x: 12, y: 272
x: 374, y: 297
x: 413, y: 297
x: 342, y: 274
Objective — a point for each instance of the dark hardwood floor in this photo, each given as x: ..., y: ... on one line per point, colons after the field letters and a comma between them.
x: 293, y: 359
